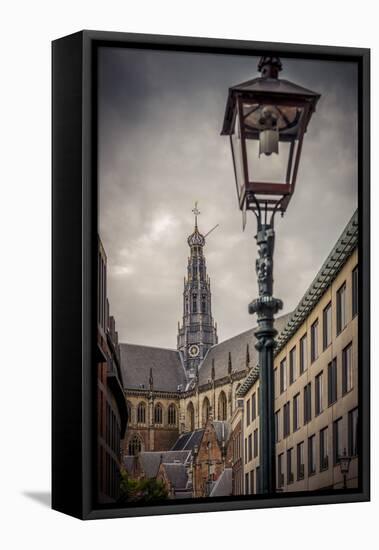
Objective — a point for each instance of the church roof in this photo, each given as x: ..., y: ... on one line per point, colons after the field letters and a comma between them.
x: 188, y: 440
x: 167, y: 368
x: 177, y: 474
x: 223, y: 485
x: 151, y: 460
x: 236, y: 347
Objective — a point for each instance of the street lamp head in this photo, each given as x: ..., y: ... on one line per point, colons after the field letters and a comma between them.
x: 266, y: 119
x: 344, y: 461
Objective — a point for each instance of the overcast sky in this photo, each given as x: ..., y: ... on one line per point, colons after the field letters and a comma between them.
x: 160, y: 150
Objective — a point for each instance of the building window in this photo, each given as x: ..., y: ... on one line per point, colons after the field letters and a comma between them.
x: 141, y: 413
x: 280, y: 471
x: 245, y: 450
x: 296, y: 412
x: 318, y: 394
x: 172, y: 415
x: 324, y: 455
x: 248, y: 412
x: 277, y: 436
x: 205, y: 410
x: 250, y: 447
x: 191, y: 416
x: 354, y: 289
x: 327, y: 326
x: 341, y: 308
x: 300, y: 460
x: 332, y: 382
x: 253, y: 407
x: 314, y: 341
x: 252, y: 482
x: 290, y: 477
x: 283, y: 376
x: 303, y: 354
x: 158, y: 414
x: 194, y: 303
x: 255, y: 443
x: 347, y: 369
x: 135, y: 445
x: 312, y: 455
x: 307, y: 403
x: 292, y: 365
x: 222, y: 406
x: 337, y: 441
x: 353, y: 432
x: 286, y: 419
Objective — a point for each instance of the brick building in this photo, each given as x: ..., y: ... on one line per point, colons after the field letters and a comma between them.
x: 111, y: 404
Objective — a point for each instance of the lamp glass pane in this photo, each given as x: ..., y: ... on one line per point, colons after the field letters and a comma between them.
x: 284, y: 118
x: 267, y: 168
x: 235, y: 141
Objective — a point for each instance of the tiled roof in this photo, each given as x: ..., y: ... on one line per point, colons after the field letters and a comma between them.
x: 236, y: 346
x: 188, y: 440
x: 150, y: 460
x: 223, y: 485
x: 167, y: 368
x: 177, y: 474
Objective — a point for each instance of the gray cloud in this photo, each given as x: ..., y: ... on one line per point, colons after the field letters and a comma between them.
x: 160, y: 149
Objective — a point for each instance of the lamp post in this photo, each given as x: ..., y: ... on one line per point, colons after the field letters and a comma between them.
x: 344, y: 461
x: 266, y: 119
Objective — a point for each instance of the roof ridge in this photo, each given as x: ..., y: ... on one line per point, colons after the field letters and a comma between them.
x: 147, y: 346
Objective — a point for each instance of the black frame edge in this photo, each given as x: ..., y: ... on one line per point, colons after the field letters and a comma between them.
x: 67, y: 479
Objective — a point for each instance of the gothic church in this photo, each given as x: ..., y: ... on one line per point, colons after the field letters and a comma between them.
x: 174, y: 392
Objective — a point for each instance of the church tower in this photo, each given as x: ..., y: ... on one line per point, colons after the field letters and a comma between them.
x: 198, y: 331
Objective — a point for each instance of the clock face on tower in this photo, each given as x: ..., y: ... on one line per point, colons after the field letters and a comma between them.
x: 194, y: 350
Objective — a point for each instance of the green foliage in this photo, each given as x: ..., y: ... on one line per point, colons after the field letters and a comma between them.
x: 141, y: 490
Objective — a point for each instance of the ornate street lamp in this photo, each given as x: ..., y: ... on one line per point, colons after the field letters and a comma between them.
x: 344, y: 461
x: 266, y: 119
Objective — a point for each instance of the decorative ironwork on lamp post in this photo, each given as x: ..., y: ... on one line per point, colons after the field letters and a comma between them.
x: 265, y: 116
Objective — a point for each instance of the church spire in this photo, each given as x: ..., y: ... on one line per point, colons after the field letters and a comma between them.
x: 198, y: 331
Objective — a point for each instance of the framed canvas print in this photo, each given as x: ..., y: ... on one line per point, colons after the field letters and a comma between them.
x: 188, y: 175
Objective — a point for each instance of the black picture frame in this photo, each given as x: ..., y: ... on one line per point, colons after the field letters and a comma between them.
x: 74, y: 207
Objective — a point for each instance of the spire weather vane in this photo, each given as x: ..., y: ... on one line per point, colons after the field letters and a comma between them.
x: 196, y: 212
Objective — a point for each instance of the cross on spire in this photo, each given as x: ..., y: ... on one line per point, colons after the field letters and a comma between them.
x: 196, y: 212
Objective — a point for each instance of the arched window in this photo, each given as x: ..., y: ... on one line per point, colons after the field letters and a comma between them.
x: 190, y: 417
x: 141, y: 413
x: 205, y: 410
x: 135, y: 445
x: 222, y: 406
x: 194, y: 303
x: 172, y: 415
x: 158, y: 414
x: 129, y: 409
